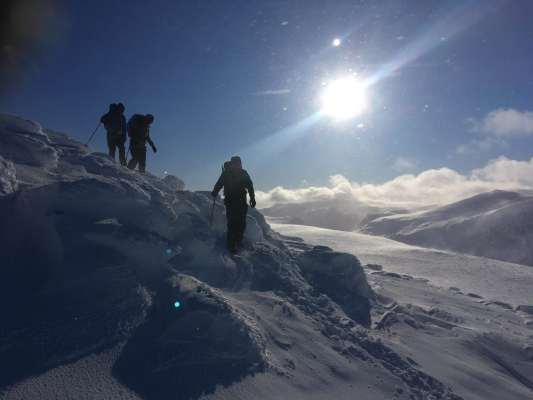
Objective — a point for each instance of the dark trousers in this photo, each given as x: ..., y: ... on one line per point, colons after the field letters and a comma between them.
x: 236, y: 213
x: 138, y: 155
x: 114, y: 141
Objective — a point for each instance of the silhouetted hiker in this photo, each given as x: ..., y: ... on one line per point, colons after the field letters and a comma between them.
x: 139, y: 133
x: 235, y: 182
x: 115, y: 124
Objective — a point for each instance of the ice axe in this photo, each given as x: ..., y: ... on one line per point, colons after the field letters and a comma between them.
x: 86, y: 144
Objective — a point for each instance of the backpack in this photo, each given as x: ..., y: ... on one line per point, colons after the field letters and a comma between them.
x: 232, y: 177
x: 131, y: 121
x: 114, y: 123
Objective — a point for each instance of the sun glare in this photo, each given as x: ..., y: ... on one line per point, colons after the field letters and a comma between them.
x: 344, y: 98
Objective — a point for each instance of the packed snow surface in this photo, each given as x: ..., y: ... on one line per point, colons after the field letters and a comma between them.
x: 113, y: 284
x: 453, y: 315
x: 491, y: 279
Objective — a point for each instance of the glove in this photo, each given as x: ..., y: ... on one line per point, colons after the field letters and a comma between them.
x: 252, y: 202
x: 214, y: 194
x: 154, y: 149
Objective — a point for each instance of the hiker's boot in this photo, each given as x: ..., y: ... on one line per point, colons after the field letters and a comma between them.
x: 232, y: 249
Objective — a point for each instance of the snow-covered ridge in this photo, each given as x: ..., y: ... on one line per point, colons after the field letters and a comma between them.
x: 118, y: 273
x: 338, y: 214
x: 497, y: 225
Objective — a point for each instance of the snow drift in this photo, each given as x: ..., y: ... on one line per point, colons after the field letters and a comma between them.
x: 497, y: 225
x: 102, y: 263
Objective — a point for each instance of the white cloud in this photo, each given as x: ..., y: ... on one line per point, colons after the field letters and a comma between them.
x: 267, y: 92
x: 504, y: 122
x: 404, y: 164
x: 477, y: 145
x: 442, y: 186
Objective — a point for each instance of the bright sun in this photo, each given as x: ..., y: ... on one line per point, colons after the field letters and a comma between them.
x: 344, y: 98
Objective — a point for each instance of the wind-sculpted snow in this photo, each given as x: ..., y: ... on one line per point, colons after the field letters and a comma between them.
x: 341, y: 277
x: 174, y: 181
x: 101, y: 263
x: 182, y: 352
x: 497, y: 225
x: 8, y: 181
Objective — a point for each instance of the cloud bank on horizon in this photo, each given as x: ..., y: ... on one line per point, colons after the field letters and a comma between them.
x: 432, y: 187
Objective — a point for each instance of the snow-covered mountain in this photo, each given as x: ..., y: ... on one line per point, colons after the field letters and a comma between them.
x: 113, y: 285
x: 341, y: 215
x: 497, y: 225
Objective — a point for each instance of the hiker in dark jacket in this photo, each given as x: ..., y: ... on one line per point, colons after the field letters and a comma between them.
x: 235, y: 182
x: 139, y: 133
x: 115, y: 125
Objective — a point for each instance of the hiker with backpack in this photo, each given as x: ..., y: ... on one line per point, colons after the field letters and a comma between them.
x: 115, y: 124
x: 235, y: 182
x: 139, y: 132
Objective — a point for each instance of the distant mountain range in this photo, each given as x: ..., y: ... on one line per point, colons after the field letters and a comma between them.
x: 496, y: 225
x: 337, y: 214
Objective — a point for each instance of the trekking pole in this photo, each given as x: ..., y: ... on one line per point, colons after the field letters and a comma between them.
x: 213, y: 213
x: 93, y: 134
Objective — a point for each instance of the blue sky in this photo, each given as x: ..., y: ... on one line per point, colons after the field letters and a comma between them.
x: 246, y: 77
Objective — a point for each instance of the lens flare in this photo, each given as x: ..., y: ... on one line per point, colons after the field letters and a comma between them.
x: 177, y: 304
x: 344, y: 98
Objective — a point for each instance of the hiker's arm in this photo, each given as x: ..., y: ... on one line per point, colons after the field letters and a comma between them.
x: 250, y: 187
x: 104, y: 120
x: 219, y: 185
x: 151, y: 143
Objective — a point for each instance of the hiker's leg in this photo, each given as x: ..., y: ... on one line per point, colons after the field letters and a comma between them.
x: 121, y: 153
x: 232, y: 225
x: 112, y: 146
x: 241, y: 222
x: 142, y: 161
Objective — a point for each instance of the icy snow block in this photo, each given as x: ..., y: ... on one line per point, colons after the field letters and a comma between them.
x: 260, y: 219
x: 189, y: 226
x: 341, y: 277
x: 186, y: 351
x: 253, y: 232
x: 374, y: 267
x: 200, y: 257
x: 8, y: 180
x: 23, y: 142
x: 526, y: 309
x: 174, y: 182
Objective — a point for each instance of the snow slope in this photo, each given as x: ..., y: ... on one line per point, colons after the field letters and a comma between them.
x: 450, y: 315
x: 113, y: 285
x: 497, y: 225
